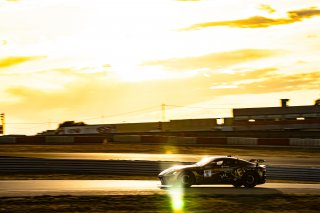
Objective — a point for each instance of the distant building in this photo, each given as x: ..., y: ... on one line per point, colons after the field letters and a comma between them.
x: 244, y: 119
x: 278, y: 118
x: 48, y: 132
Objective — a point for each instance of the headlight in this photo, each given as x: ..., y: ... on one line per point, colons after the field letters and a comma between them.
x: 170, y: 172
x: 175, y: 172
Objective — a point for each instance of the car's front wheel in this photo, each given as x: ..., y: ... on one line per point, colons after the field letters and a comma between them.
x: 250, y: 180
x: 186, y: 179
x: 237, y: 183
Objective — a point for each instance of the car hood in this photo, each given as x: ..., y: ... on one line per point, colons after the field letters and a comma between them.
x: 177, y: 168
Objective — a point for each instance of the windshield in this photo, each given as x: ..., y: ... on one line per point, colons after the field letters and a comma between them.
x: 205, y: 161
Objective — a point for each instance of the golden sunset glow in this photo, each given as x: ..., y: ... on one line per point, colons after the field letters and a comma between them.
x: 114, y: 61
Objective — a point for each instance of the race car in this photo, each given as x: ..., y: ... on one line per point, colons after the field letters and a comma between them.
x: 216, y: 170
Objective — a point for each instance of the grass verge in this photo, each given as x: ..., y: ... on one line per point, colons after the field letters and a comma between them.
x: 162, y: 203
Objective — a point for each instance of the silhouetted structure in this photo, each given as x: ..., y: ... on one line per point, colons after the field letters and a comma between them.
x: 283, y: 118
x: 278, y: 118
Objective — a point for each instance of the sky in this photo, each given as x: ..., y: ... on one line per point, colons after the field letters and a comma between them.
x: 116, y: 61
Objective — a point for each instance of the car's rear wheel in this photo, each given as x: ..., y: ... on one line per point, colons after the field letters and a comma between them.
x: 250, y: 180
x: 186, y: 179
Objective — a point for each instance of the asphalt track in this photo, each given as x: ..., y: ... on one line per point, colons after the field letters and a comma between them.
x: 18, y: 188
x: 312, y: 162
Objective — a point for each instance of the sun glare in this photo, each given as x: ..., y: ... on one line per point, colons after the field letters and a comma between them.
x: 177, y: 199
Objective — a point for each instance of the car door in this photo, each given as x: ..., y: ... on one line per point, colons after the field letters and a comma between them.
x: 212, y: 172
x: 227, y: 168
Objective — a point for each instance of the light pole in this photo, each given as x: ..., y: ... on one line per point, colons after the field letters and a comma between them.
x: 2, y: 123
x: 163, y: 109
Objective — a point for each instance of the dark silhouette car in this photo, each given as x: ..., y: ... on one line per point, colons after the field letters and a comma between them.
x: 216, y: 170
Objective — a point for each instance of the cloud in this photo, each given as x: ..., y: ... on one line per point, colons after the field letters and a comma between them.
x: 225, y: 79
x: 267, y: 8
x: 10, y: 1
x: 89, y: 97
x: 15, y: 60
x: 3, y: 42
x: 275, y: 83
x: 260, y: 21
x: 214, y: 60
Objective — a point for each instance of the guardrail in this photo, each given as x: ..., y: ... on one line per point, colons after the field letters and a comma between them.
x: 128, y: 167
